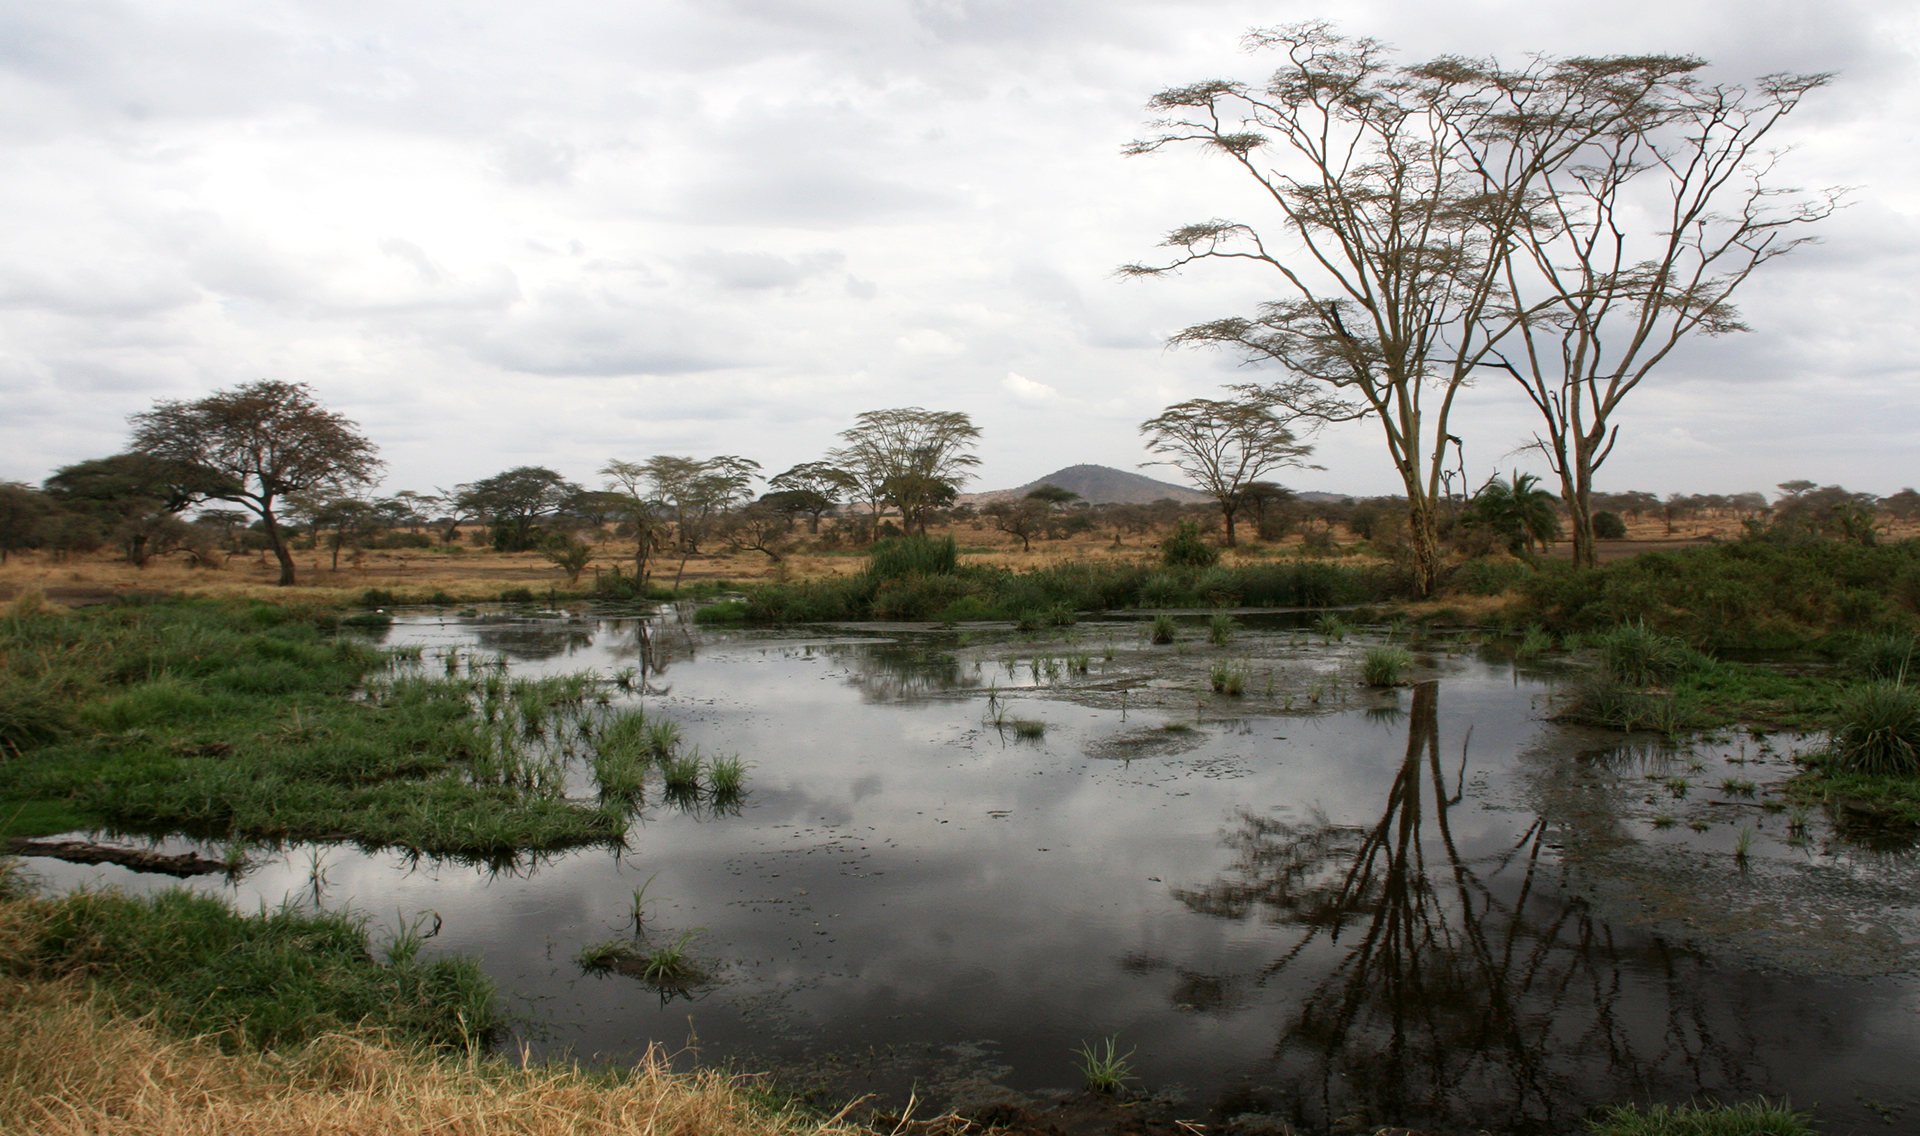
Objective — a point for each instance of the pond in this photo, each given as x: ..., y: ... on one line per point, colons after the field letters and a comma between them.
x: 963, y: 854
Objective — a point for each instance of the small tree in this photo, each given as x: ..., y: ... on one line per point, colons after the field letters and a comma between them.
x: 760, y: 527
x: 568, y: 553
x: 1224, y: 446
x: 813, y: 488
x: 1020, y: 519
x: 1518, y: 509
x: 259, y: 442
x: 134, y: 498
x: 1051, y: 495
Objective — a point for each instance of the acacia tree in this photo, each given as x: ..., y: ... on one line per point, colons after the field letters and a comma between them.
x: 513, y: 501
x: 135, y: 498
x: 1225, y: 446
x: 259, y: 442
x: 911, y: 458
x: 1402, y: 209
x: 813, y: 488
x: 681, y: 495
x: 1639, y: 242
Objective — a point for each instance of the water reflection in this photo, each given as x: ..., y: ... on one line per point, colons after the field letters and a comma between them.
x: 1438, y: 991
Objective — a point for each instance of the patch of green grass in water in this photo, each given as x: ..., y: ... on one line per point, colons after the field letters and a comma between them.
x: 225, y: 720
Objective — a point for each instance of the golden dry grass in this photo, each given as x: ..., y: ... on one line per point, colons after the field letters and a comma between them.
x: 71, y: 1066
x: 68, y: 1068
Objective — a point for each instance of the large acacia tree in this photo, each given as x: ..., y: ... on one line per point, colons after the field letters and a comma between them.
x: 1635, y: 245
x: 257, y: 443
x: 1399, y: 192
x: 910, y: 458
x: 1225, y: 446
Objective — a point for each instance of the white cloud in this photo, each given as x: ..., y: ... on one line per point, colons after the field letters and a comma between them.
x: 1027, y: 391
x: 731, y: 225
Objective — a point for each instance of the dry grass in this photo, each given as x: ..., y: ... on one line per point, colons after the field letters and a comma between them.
x: 69, y: 1069
x: 71, y: 1066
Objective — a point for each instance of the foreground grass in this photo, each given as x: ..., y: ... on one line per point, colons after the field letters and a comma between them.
x: 1759, y: 1118
x: 233, y: 720
x: 176, y: 1017
x: 190, y: 965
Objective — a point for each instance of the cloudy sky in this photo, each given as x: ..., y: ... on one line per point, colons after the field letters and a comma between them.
x: 499, y: 234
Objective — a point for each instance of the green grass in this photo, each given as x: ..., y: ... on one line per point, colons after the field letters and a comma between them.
x: 1877, y: 731
x: 1385, y: 666
x: 1164, y: 629
x: 914, y: 586
x: 1748, y: 593
x: 667, y: 967
x: 1228, y: 678
x: 1029, y: 728
x: 726, y: 776
x: 1103, y: 1066
x: 279, y: 977
x: 1221, y: 628
x: 1758, y: 1118
x: 234, y: 720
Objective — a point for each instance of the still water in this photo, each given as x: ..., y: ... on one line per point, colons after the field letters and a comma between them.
x: 1430, y: 906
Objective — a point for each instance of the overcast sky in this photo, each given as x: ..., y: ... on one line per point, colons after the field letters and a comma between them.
x: 499, y: 234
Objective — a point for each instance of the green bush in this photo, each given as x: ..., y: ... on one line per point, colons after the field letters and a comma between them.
x: 1609, y: 526
x: 1185, y: 549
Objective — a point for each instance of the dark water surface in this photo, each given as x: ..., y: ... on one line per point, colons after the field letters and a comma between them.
x: 1429, y: 907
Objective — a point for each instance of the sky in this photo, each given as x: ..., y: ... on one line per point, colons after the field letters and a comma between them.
x: 500, y: 234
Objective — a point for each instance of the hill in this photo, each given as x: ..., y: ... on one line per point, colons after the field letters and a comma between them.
x: 1100, y: 485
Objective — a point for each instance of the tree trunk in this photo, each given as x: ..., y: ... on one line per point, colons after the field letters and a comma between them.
x: 280, y: 551
x: 1228, y: 511
x: 1423, y: 538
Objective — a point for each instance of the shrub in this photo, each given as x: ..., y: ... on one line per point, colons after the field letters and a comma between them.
x: 726, y: 611
x: 1609, y: 526
x: 1877, y: 730
x: 1185, y: 549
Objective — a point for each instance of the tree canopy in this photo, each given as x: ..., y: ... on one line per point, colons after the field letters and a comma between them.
x: 257, y: 443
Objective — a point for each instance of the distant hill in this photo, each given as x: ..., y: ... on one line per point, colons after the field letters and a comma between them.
x: 1099, y: 485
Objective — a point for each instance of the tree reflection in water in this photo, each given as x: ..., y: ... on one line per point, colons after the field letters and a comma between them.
x: 1419, y: 994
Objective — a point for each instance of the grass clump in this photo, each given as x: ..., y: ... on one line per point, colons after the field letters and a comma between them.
x: 667, y: 968
x: 1757, y: 1118
x: 1104, y: 1067
x: 1634, y: 656
x: 1228, y: 678
x: 1031, y: 728
x: 1164, y: 629
x: 1877, y: 731
x: 1221, y: 629
x: 726, y: 776
x: 1385, y: 666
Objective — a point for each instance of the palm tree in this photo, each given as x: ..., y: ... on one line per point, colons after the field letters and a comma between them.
x: 1518, y: 509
